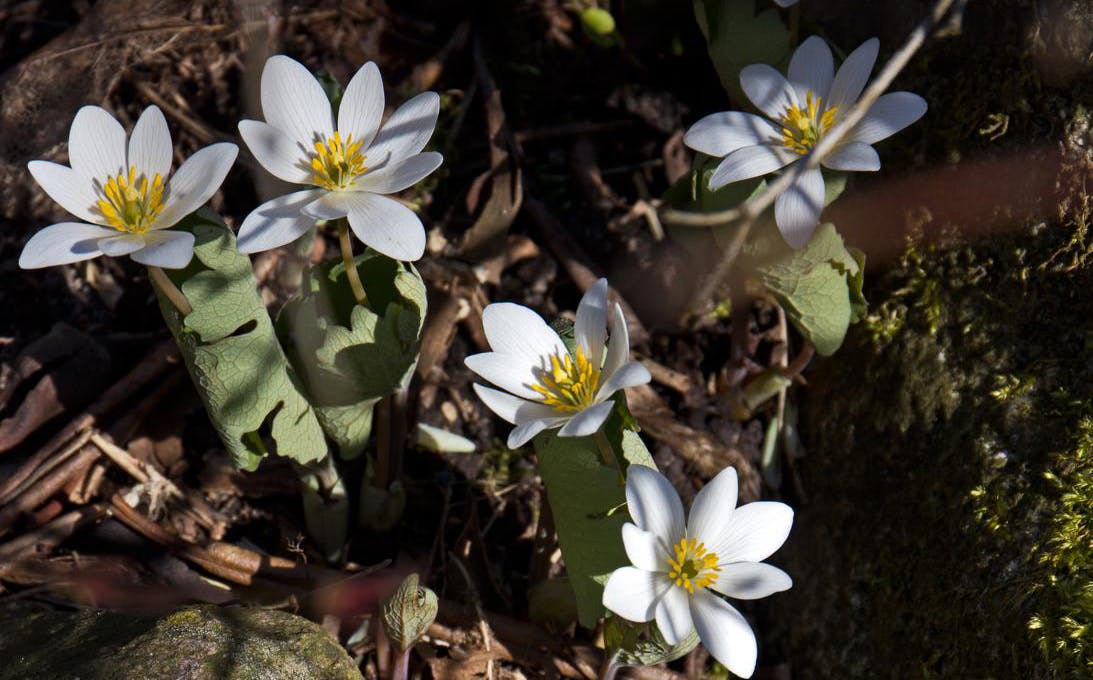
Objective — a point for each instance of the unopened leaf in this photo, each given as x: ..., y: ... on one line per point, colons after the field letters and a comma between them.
x: 625, y: 639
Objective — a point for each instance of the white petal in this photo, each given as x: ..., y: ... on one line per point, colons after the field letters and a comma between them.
x: 853, y: 156
x: 196, y: 182
x: 150, y: 149
x: 673, y: 615
x: 294, y: 102
x: 797, y: 209
x: 719, y: 134
x: 643, y: 549
x: 386, y: 226
x: 512, y: 373
x: 167, y: 249
x: 399, y: 175
x: 811, y: 69
x: 749, y: 162
x: 516, y: 330
x: 70, y: 189
x: 590, y: 328
x: 278, y: 153
x: 725, y: 633
x: 330, y: 205
x: 618, y: 346
x: 361, y: 107
x: 785, y: 3
x: 276, y: 222
x: 852, y: 76
x: 767, y: 89
x: 523, y: 433
x: 755, y: 531
x: 123, y: 244
x: 629, y: 375
x: 407, y: 131
x: 63, y: 243
x: 633, y: 593
x: 96, y: 144
x: 654, y: 505
x: 711, y: 510
x: 751, y: 580
x: 588, y: 421
x: 889, y: 114
x: 513, y: 409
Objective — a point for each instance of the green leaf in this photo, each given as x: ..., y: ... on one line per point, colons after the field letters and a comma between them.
x: 582, y: 493
x: 737, y: 37
x: 232, y: 354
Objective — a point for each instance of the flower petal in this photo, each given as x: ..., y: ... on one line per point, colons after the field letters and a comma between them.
x: 400, y: 175
x: 588, y: 421
x: 407, y: 131
x: 797, y: 209
x: 767, y: 89
x: 852, y: 76
x: 725, y: 633
x: 633, y: 593
x: 749, y: 162
x: 294, y: 102
x: 330, y: 205
x: 785, y: 3
x: 812, y: 69
x: 70, y: 189
x: 386, y: 225
x: 150, y: 149
x: 512, y: 373
x: 751, y: 580
x: 361, y: 108
x: 712, y: 508
x: 755, y: 531
x: 512, y: 408
x: 673, y: 615
x: 167, y: 249
x: 96, y: 144
x: 524, y: 432
x: 518, y: 331
x: 853, y: 156
x: 195, y: 182
x: 889, y: 114
x: 618, y: 345
x: 654, y: 504
x: 122, y: 244
x: 276, y: 222
x: 63, y: 243
x: 643, y: 549
x: 278, y: 153
x: 590, y: 328
x: 719, y: 134
x: 631, y: 374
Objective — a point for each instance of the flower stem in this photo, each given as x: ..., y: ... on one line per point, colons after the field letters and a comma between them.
x: 350, y: 268
x: 607, y: 452
x: 170, y: 290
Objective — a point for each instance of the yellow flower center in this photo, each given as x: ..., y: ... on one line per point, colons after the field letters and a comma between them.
x: 130, y: 203
x: 802, y: 128
x: 337, y: 163
x: 570, y: 383
x: 693, y: 567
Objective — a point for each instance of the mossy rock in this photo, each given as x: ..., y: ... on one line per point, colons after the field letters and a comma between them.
x: 198, y: 643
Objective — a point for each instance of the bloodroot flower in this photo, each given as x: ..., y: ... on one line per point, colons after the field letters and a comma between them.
x: 545, y: 385
x: 348, y: 163
x: 679, y: 567
x: 122, y: 193
x: 799, y: 112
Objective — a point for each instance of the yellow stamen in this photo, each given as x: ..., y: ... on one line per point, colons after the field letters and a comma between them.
x: 130, y: 203
x: 694, y: 567
x: 336, y: 163
x: 569, y: 384
x: 803, y: 128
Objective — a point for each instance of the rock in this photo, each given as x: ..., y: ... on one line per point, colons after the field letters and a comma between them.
x: 198, y: 643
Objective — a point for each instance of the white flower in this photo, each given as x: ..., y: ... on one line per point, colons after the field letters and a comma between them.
x: 348, y: 165
x: 546, y: 386
x: 677, y: 566
x: 122, y: 193
x: 799, y: 112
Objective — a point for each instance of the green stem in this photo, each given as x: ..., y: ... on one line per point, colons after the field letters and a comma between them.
x: 326, y: 506
x: 350, y: 267
x: 170, y: 290
x: 607, y: 452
